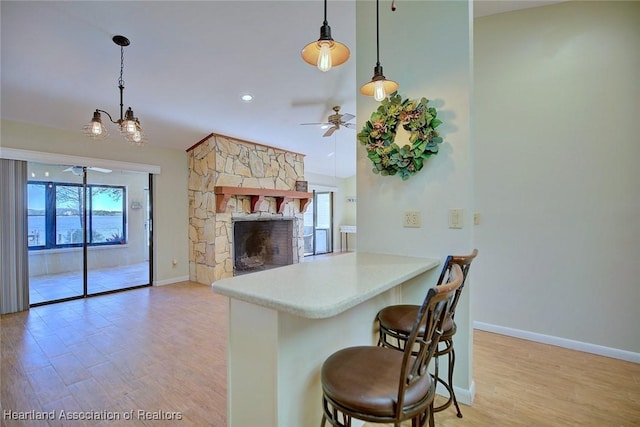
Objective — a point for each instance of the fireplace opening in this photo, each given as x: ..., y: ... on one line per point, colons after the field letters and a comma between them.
x: 262, y: 244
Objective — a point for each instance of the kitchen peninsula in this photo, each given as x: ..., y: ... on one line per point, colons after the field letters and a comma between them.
x: 284, y: 322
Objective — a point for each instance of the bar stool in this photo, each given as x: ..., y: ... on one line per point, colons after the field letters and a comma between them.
x: 395, y: 327
x: 382, y: 385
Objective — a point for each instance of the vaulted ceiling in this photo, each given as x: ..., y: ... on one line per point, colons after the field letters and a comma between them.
x: 185, y: 71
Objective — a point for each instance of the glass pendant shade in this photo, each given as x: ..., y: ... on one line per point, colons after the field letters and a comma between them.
x: 95, y: 129
x: 128, y: 125
x: 131, y: 128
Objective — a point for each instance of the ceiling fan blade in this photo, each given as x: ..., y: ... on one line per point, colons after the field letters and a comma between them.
x: 330, y: 131
x: 103, y: 170
x: 346, y: 117
x: 325, y: 123
x: 69, y: 169
x: 349, y: 125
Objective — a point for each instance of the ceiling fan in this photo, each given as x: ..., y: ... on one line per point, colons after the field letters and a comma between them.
x: 77, y: 170
x: 336, y: 120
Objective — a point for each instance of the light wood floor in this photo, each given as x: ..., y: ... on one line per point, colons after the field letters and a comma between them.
x: 50, y: 287
x: 163, y: 349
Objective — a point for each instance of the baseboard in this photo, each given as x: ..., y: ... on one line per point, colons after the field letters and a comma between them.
x: 463, y: 395
x: 170, y: 281
x: 615, y: 353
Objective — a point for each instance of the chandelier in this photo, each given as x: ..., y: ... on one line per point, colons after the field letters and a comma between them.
x: 128, y: 122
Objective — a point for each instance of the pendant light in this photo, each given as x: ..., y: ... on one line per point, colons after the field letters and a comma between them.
x: 379, y: 87
x: 326, y: 52
x: 128, y: 123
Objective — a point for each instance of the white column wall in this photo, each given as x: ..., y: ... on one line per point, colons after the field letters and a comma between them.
x: 424, y: 46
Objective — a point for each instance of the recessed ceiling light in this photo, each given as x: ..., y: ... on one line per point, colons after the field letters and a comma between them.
x: 247, y: 97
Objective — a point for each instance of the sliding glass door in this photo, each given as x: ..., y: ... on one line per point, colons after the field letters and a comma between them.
x: 318, y: 224
x: 54, y: 234
x: 118, y: 247
x: 88, y: 231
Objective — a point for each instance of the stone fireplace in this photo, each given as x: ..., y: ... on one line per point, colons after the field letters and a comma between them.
x: 237, y: 184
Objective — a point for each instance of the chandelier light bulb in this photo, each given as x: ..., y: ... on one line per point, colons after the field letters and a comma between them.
x: 130, y: 126
x: 378, y: 90
x: 324, y: 58
x: 137, y: 136
x: 96, y: 128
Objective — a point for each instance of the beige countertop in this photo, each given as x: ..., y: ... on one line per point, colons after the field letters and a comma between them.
x: 326, y: 286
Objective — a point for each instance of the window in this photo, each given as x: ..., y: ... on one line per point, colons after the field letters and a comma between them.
x: 56, y: 220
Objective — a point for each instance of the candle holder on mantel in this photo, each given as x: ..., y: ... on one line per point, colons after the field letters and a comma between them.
x: 302, y: 186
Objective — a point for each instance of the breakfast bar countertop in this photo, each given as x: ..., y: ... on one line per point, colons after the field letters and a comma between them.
x: 326, y: 286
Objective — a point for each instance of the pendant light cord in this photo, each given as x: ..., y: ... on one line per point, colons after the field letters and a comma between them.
x: 377, y: 33
x: 325, y: 13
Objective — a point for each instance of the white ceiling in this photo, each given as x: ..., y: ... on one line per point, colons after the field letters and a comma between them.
x: 186, y: 68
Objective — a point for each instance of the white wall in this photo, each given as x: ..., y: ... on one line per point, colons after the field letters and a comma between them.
x: 170, y: 186
x: 425, y: 47
x: 557, y: 113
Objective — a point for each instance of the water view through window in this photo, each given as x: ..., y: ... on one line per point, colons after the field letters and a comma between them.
x: 55, y: 215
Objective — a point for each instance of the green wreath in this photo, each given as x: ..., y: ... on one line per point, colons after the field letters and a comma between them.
x: 379, y: 133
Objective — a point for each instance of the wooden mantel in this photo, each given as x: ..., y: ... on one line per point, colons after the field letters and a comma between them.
x: 223, y: 194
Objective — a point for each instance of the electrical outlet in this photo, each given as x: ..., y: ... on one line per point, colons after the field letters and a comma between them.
x: 455, y: 218
x: 411, y: 219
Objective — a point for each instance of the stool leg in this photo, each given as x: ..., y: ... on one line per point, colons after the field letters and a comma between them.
x: 452, y: 362
x: 432, y: 422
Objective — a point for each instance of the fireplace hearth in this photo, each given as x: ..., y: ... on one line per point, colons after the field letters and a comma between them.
x: 262, y: 244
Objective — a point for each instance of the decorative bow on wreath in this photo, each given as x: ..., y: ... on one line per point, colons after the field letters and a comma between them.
x: 379, y: 133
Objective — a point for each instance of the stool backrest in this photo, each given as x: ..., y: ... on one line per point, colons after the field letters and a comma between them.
x: 422, y: 343
x: 464, y: 261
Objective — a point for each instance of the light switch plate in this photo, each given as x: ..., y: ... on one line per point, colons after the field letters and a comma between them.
x: 455, y: 218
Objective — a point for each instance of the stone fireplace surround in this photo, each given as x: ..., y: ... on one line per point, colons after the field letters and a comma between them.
x: 219, y: 161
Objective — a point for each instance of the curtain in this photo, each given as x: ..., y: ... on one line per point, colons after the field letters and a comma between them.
x: 14, y: 256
